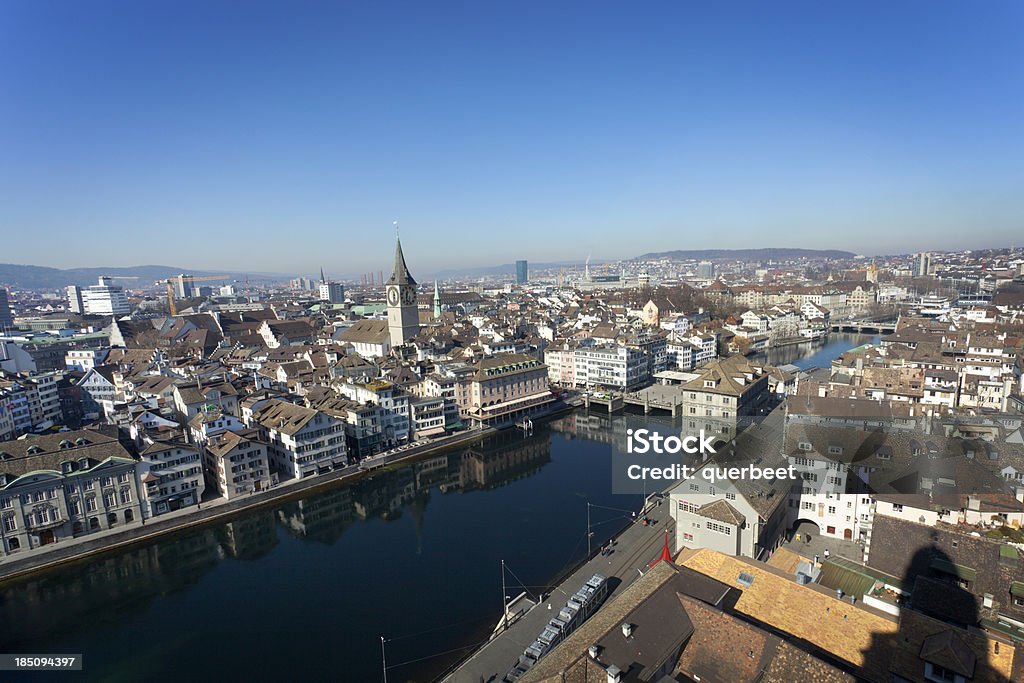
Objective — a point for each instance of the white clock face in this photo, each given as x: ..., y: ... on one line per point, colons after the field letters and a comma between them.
x: 393, y: 296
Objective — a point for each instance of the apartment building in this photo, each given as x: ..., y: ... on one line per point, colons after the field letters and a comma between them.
x: 302, y: 442
x: 61, y: 486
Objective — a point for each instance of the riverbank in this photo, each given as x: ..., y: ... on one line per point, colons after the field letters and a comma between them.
x: 634, y: 547
x: 222, y: 510
x: 216, y: 510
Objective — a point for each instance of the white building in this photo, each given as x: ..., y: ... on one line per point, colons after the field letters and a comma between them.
x: 620, y: 367
x: 302, y: 441
x: 395, y: 410
x: 105, y: 298
x: 171, y: 474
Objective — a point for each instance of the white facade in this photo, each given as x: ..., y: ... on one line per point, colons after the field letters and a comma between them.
x: 105, y: 298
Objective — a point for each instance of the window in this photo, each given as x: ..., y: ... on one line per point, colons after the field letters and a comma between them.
x: 109, y: 500
x: 694, y: 487
x: 896, y: 507
x: 126, y: 495
x: 730, y: 496
x: 75, y: 507
x: 720, y: 528
x: 831, y: 509
x: 934, y: 672
x: 10, y: 524
x: 806, y: 505
x: 123, y: 477
x: 804, y: 446
x: 90, y: 504
x: 835, y: 450
x: 686, y: 506
x: 6, y: 503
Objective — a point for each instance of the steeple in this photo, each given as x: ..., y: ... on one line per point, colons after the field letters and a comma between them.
x: 437, y: 301
x: 400, y: 275
x: 322, y: 278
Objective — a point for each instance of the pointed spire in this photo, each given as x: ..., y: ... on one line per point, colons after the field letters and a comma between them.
x: 400, y: 274
x: 666, y: 554
x: 437, y: 301
x: 322, y: 278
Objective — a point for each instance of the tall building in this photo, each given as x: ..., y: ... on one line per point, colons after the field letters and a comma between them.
x: 331, y: 292
x: 6, y: 319
x: 522, y: 272
x: 183, y: 286
x: 437, y: 301
x: 706, y: 270
x: 922, y: 264
x: 403, y: 316
x: 105, y: 298
x: 75, y: 304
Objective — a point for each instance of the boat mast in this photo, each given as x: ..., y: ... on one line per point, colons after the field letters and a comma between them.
x: 504, y: 600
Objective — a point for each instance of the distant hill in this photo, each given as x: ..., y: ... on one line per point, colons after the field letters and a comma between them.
x: 747, y: 254
x: 42, y: 277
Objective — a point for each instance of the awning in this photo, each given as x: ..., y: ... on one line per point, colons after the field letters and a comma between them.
x: 958, y: 570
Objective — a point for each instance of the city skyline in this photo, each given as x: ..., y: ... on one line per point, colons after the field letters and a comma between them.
x: 564, y: 131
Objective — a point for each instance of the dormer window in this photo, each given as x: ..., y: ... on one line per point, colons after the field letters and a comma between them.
x: 83, y: 463
x: 66, y: 467
x: 65, y: 444
x: 80, y: 441
x: 32, y: 450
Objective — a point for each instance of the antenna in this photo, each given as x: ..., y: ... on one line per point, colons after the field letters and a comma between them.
x: 396, y: 229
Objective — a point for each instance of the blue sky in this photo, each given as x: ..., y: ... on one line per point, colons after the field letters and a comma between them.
x: 282, y: 136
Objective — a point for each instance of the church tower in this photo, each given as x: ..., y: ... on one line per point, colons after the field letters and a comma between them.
x: 403, y: 316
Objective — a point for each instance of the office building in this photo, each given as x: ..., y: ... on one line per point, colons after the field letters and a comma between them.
x: 105, y: 298
x: 522, y: 272
x: 6, y: 319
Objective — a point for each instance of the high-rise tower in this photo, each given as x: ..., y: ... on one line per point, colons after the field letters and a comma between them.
x: 403, y: 317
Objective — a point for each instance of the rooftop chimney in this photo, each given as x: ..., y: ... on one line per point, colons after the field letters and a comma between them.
x: 627, y: 629
x: 593, y: 650
x: 614, y: 674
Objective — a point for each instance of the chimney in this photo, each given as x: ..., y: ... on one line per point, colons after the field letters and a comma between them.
x: 593, y: 650
x: 627, y: 629
x: 614, y: 674
x: 839, y: 593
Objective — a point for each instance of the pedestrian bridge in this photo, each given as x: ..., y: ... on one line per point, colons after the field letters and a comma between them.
x: 865, y: 326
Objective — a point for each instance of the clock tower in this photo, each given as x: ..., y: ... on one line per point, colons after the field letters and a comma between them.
x: 403, y: 315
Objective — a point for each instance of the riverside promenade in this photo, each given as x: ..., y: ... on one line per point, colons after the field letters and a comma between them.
x: 217, y: 509
x: 636, y: 546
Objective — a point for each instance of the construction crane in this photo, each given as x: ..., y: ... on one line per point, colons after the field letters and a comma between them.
x: 170, y: 288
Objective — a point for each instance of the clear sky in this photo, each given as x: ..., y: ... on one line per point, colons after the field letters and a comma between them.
x: 282, y: 136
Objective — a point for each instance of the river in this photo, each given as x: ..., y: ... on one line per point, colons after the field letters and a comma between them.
x: 412, y: 554
x: 814, y: 354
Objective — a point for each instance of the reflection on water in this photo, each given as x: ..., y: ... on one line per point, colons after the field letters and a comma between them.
x: 819, y: 354
x: 117, y: 589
